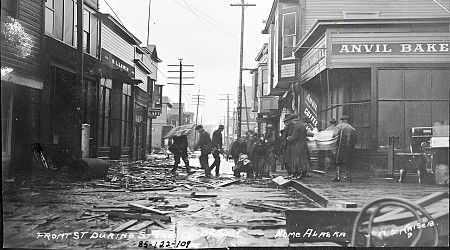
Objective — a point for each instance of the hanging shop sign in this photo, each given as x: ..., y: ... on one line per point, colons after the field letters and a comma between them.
x: 391, y: 48
x: 311, y: 110
x: 115, y: 63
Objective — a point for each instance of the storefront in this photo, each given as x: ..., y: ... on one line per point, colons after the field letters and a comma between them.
x: 388, y: 76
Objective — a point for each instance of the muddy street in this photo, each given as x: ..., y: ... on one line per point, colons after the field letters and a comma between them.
x: 142, y: 203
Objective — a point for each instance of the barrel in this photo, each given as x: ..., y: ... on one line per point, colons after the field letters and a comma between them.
x: 441, y: 174
x: 89, y: 168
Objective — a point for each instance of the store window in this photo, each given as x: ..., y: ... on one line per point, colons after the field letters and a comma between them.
x: 126, y: 99
x: 420, y: 99
x: 289, y: 34
x: 104, y: 112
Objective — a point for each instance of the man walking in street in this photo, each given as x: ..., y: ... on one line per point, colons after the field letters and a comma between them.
x: 179, y: 150
x: 217, y: 148
x: 270, y: 138
x: 346, y: 145
x: 204, y: 143
x: 299, y: 148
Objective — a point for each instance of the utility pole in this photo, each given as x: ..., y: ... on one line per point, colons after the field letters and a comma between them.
x: 228, y: 118
x: 241, y: 58
x: 148, y: 23
x: 198, y: 100
x: 246, y: 109
x: 180, y: 113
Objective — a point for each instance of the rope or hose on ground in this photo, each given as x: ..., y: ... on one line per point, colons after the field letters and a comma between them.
x: 381, y: 203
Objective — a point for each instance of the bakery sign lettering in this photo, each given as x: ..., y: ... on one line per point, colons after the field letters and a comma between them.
x: 391, y: 48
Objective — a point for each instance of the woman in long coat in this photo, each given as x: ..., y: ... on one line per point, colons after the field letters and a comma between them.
x: 299, y: 149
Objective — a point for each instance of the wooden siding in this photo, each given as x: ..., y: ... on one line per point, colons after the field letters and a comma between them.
x: 141, y: 75
x: 314, y: 61
x: 116, y: 45
x: 371, y: 38
x: 31, y: 18
x: 326, y: 9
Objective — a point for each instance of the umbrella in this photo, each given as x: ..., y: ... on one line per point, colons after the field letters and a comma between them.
x: 179, y: 130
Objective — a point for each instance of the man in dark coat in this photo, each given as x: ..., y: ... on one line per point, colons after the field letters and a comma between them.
x: 285, y: 145
x: 204, y: 143
x: 238, y: 147
x: 179, y: 150
x: 270, y: 138
x: 217, y: 148
x: 299, y: 148
x: 252, y: 138
x: 258, y: 158
x: 346, y: 146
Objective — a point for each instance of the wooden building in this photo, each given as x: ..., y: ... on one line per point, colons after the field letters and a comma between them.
x: 21, y: 83
x: 384, y: 63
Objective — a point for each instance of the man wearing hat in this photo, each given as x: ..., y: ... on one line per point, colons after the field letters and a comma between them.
x: 299, y: 148
x: 217, y: 148
x: 346, y: 145
x: 270, y: 138
x: 204, y: 143
x: 286, y: 152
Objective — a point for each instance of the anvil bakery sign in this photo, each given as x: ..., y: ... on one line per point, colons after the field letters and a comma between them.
x: 390, y: 48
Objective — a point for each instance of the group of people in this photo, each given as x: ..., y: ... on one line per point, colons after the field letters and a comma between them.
x: 291, y: 149
x: 207, y: 146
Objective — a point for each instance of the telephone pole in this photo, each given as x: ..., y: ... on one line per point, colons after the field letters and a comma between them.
x: 241, y: 58
x: 180, y: 113
x: 198, y: 100
x: 228, y: 117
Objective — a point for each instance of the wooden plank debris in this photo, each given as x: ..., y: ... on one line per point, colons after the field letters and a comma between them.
x: 124, y: 226
x: 227, y: 183
x: 139, y: 206
x: 140, y: 216
x: 156, y: 198
x: 159, y: 223
x: 141, y: 225
x: 280, y: 181
x: 79, y: 214
x: 195, y: 195
x: 112, y: 206
x: 107, y: 185
x: 91, y: 217
x: 152, y: 189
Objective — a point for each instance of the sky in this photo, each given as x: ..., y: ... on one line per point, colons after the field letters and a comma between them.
x: 204, y: 33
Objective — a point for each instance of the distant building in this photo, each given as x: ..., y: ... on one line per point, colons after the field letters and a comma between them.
x: 161, y: 125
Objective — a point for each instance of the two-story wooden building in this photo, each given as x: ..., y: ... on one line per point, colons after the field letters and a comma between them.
x: 22, y: 81
x: 384, y: 63
x: 68, y: 101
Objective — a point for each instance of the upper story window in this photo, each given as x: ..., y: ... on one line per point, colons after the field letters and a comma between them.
x: 9, y: 8
x: 61, y: 23
x: 289, y: 34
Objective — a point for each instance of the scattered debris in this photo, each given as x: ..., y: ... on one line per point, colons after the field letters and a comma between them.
x: 124, y: 226
x: 139, y: 216
x: 139, y: 206
x: 194, y: 195
x: 280, y: 180
x: 141, y: 225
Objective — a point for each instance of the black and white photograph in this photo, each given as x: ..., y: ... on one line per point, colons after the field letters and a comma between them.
x: 225, y: 124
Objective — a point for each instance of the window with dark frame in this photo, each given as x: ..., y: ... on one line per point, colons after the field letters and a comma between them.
x: 104, y: 112
x: 289, y: 34
x: 125, y: 117
x: 9, y: 8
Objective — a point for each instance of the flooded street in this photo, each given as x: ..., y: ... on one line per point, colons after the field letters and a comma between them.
x: 202, y: 214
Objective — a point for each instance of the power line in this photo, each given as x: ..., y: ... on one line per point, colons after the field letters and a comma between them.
x: 114, y: 13
x: 226, y: 31
x: 218, y: 38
